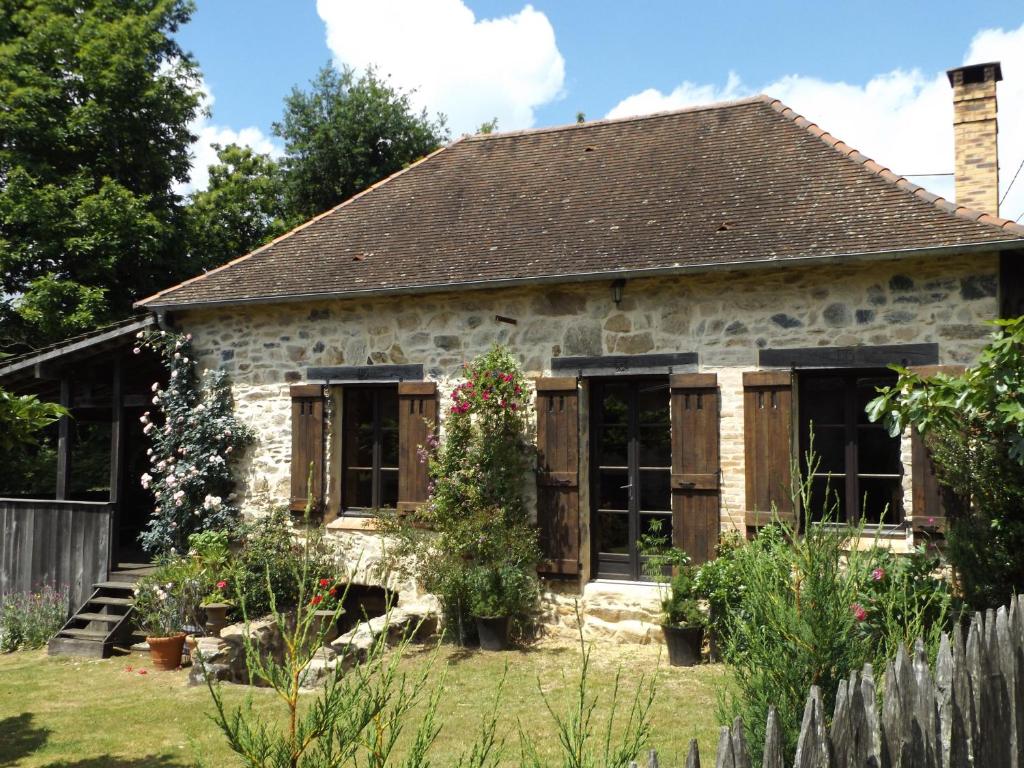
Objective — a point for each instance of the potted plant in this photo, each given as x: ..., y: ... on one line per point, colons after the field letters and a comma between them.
x: 216, y: 606
x: 158, y: 610
x: 682, y: 620
x: 496, y: 595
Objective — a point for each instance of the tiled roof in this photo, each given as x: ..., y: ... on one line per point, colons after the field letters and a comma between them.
x: 728, y: 184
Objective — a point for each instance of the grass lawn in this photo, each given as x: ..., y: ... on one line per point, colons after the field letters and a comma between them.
x: 87, y: 714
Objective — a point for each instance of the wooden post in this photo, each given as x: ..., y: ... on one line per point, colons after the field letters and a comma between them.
x: 117, y: 428
x: 64, y: 442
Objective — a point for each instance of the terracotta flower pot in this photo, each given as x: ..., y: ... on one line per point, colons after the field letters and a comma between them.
x: 216, y: 617
x: 165, y: 652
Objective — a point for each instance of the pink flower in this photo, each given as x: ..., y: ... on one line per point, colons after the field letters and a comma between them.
x: 221, y: 584
x: 486, y: 395
x: 858, y: 612
x: 878, y: 574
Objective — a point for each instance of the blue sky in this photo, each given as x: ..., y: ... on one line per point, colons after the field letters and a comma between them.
x: 869, y: 72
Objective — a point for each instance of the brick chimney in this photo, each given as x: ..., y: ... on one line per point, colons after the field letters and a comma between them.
x: 976, y: 130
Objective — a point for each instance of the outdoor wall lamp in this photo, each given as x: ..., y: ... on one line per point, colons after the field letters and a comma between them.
x: 617, y: 287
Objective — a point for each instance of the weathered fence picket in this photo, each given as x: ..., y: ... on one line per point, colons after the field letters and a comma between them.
x: 967, y: 713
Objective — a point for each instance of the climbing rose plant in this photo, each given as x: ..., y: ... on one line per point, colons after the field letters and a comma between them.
x: 194, y: 435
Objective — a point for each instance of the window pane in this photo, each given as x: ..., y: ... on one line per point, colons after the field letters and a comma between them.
x: 655, y: 446
x: 359, y: 489
x: 389, y: 488
x: 359, y: 427
x: 829, y: 449
x: 613, y: 533
x: 388, y: 405
x: 877, y: 453
x: 828, y: 499
x: 612, y: 450
x: 389, y: 448
x: 655, y: 491
x: 822, y: 400
x: 653, y: 403
x: 611, y: 491
x: 881, y: 500
x: 614, y: 404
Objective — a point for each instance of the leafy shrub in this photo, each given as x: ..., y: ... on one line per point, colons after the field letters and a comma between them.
x: 813, y: 607
x: 500, y: 591
x: 719, y: 582
x: 476, y: 518
x: 263, y: 569
x: 974, y: 426
x: 29, y: 620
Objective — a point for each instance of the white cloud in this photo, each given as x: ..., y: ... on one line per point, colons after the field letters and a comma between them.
x: 209, y: 133
x: 470, y: 69
x: 903, y: 120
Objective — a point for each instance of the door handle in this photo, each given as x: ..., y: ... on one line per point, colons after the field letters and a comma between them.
x: 630, y: 485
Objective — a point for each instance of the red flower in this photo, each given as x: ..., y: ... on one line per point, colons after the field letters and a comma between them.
x: 142, y: 671
x: 858, y: 612
x: 324, y: 582
x: 221, y: 584
x: 333, y: 592
x: 317, y: 599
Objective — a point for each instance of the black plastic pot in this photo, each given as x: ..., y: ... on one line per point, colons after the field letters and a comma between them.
x: 684, y: 645
x: 493, y: 633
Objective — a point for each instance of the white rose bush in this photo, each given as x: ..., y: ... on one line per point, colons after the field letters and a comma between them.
x: 194, y: 435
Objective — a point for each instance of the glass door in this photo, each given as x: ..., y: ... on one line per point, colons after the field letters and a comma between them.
x: 631, y: 471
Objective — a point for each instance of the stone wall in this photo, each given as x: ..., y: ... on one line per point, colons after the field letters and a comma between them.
x: 724, y: 317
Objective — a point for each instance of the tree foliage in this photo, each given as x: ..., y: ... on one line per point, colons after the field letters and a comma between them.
x: 22, y: 417
x: 94, y: 132
x: 974, y: 426
x: 346, y: 133
x: 240, y: 210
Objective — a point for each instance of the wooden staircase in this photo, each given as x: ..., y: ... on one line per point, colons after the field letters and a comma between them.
x: 104, y: 622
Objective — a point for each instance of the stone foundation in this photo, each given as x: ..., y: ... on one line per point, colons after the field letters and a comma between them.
x: 610, y: 611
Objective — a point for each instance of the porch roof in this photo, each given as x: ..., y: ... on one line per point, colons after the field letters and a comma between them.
x: 115, y: 336
x: 731, y: 185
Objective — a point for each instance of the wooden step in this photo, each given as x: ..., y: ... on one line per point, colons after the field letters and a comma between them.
x: 70, y: 646
x: 110, y: 618
x: 124, y: 577
x: 105, y: 600
x: 83, y: 634
x: 122, y: 585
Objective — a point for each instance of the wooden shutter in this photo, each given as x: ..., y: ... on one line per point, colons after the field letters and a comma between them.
x: 768, y: 445
x: 307, y: 446
x: 558, y: 492
x: 695, y: 464
x: 417, y: 420
x: 931, y: 502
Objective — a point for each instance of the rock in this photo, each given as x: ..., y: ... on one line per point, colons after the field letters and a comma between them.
x: 413, y: 622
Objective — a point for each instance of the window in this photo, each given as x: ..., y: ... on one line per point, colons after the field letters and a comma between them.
x: 859, y: 463
x: 369, y: 448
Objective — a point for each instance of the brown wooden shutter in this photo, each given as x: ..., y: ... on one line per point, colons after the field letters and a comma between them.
x: 417, y: 420
x: 931, y: 502
x: 558, y: 492
x: 696, y: 494
x: 768, y: 445
x: 307, y: 446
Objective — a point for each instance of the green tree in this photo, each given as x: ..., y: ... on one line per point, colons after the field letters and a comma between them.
x: 21, y: 417
x: 240, y: 210
x: 97, y: 98
x: 974, y: 426
x: 346, y: 133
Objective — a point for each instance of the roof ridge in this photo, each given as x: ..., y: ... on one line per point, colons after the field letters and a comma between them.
x: 884, y: 173
x: 309, y: 222
x: 614, y: 120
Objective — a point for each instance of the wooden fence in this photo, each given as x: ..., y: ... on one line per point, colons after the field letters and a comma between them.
x: 60, y: 543
x: 968, y: 712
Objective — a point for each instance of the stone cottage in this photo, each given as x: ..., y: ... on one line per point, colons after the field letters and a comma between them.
x: 690, y: 291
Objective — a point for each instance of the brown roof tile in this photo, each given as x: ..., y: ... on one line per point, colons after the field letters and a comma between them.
x: 616, y: 196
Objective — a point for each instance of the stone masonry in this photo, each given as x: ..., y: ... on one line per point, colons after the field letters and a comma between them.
x: 725, y: 317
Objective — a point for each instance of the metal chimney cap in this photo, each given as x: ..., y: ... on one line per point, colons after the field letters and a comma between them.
x: 975, y: 73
